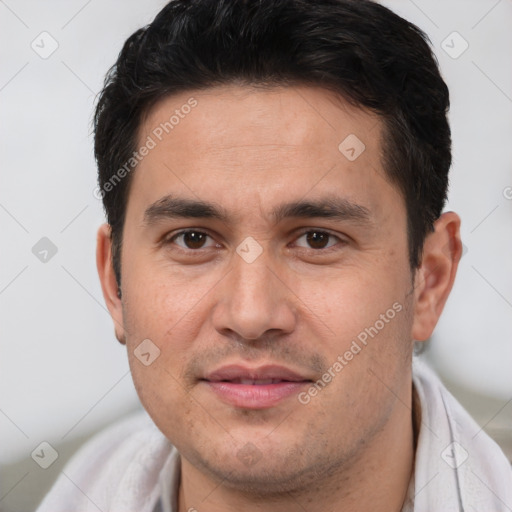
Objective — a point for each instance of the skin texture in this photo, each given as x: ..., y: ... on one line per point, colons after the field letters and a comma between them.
x: 249, y: 150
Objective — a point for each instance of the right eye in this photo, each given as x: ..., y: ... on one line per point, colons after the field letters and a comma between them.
x: 192, y: 239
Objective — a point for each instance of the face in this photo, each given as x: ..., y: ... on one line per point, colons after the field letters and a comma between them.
x: 269, y: 266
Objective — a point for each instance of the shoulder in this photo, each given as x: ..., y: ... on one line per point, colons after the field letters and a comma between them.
x: 116, y: 470
x: 469, y: 466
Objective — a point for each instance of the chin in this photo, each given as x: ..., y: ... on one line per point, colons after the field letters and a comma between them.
x: 261, y: 480
x: 269, y: 472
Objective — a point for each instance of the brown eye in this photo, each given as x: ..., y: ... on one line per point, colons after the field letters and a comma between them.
x: 317, y: 240
x: 194, y: 240
x: 191, y: 239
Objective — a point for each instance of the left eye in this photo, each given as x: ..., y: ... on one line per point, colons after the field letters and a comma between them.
x: 192, y: 240
x: 317, y: 240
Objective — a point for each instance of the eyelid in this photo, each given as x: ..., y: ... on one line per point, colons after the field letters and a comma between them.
x: 169, y: 238
x: 305, y: 231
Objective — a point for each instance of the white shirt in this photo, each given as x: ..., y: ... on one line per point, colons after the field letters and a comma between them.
x: 131, y: 466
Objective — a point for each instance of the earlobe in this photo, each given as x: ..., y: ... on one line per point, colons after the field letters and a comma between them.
x: 435, y: 276
x: 109, y: 286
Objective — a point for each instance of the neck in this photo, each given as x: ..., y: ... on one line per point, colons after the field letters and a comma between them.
x: 378, y: 480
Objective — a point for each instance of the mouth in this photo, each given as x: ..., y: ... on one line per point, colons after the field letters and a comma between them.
x: 254, y: 388
x: 254, y: 382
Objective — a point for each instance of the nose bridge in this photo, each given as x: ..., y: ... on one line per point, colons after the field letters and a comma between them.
x: 252, y: 299
x: 251, y: 280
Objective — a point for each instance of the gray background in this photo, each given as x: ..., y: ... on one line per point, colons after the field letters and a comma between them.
x: 63, y: 376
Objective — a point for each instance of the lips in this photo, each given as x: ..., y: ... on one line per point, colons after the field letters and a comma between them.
x: 260, y: 374
x: 254, y: 388
x: 256, y: 382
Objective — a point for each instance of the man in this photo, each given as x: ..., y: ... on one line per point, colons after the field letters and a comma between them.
x: 274, y: 175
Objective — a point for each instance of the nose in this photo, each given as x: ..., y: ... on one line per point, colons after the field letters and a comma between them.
x: 254, y: 301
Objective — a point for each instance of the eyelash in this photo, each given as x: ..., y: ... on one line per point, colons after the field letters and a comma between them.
x: 171, y: 240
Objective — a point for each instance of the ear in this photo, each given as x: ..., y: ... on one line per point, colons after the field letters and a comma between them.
x: 108, y: 280
x: 435, y: 276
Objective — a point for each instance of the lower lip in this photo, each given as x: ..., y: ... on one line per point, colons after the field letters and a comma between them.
x: 250, y: 396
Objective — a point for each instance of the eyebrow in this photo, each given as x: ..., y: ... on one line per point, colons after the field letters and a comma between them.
x: 330, y: 207
x: 170, y: 207
x: 338, y: 208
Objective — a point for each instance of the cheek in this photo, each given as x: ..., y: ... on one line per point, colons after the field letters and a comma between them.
x: 351, y: 299
x: 367, y: 345
x: 170, y: 311
x: 368, y: 365
x: 162, y: 394
x: 160, y: 300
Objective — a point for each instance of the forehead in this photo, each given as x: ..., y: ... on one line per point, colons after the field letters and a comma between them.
x: 254, y: 145
x: 257, y: 115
